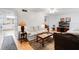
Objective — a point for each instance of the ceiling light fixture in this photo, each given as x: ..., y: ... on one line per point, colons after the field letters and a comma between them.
x: 53, y: 10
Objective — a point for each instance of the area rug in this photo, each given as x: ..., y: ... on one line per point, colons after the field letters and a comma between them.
x: 38, y: 46
x: 8, y: 43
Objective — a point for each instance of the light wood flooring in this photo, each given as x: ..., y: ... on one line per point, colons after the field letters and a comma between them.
x: 26, y: 46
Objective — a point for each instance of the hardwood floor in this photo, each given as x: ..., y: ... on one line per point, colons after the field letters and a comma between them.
x: 24, y: 45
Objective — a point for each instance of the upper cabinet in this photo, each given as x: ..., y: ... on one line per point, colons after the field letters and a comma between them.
x: 8, y: 19
x: 9, y: 22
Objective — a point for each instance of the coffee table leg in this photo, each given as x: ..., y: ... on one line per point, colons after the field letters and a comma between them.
x: 42, y: 42
x: 37, y: 39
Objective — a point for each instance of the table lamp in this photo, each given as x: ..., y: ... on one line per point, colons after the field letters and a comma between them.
x: 22, y: 23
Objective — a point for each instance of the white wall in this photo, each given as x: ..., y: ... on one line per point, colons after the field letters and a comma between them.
x: 74, y: 24
x: 32, y: 18
x: 37, y: 18
x: 52, y: 20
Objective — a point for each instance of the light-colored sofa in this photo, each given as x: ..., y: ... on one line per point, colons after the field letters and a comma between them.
x: 32, y: 31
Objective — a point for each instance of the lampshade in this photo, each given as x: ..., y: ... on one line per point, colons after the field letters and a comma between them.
x: 43, y: 26
x: 22, y: 23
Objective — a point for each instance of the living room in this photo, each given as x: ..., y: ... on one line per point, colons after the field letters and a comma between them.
x: 34, y: 28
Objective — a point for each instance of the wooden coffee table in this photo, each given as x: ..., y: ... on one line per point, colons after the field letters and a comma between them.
x: 44, y: 36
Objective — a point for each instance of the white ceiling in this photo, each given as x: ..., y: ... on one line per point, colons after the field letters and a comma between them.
x: 32, y: 10
x: 45, y: 10
x: 67, y: 10
x: 36, y: 9
x: 6, y: 11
